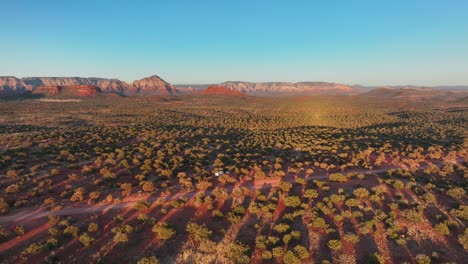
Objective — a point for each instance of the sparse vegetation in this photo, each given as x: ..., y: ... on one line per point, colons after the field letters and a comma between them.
x: 299, y: 177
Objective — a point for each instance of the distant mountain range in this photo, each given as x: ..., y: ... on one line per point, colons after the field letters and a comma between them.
x: 154, y: 85
x: 287, y: 88
x: 419, y: 93
x: 220, y: 90
x: 10, y: 85
x: 277, y: 88
x: 440, y: 87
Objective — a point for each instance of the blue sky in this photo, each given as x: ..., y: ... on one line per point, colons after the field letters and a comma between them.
x: 209, y: 41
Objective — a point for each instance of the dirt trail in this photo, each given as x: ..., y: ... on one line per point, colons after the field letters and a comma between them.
x: 30, y: 214
x: 20, y: 239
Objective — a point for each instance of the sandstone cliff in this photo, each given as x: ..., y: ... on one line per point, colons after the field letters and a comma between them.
x: 10, y: 85
x: 105, y: 85
x: 52, y: 85
x: 287, y: 88
x: 221, y: 90
x: 152, y: 85
x: 74, y: 90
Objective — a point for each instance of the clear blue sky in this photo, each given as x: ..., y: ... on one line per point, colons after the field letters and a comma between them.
x: 208, y: 41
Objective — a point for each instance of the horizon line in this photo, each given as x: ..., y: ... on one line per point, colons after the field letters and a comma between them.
x: 213, y: 83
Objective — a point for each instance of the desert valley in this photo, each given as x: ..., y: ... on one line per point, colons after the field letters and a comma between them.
x: 100, y: 171
x: 234, y: 132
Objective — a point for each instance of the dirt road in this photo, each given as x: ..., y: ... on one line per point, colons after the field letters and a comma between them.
x: 30, y: 214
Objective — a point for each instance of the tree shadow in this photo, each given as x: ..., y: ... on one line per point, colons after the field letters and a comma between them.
x: 22, y: 97
x: 365, y: 249
x: 179, y: 221
x: 247, y: 232
x: 431, y: 213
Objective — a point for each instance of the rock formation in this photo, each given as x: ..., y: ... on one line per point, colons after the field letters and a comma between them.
x: 152, y: 85
x: 10, y: 85
x: 105, y: 85
x: 221, y: 90
x: 51, y: 89
x: 286, y: 88
x: 52, y: 85
x: 85, y: 90
x: 75, y: 90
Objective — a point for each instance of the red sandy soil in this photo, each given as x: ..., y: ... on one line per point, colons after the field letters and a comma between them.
x: 29, y: 214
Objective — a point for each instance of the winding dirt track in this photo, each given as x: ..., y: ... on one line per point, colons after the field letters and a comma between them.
x: 31, y: 214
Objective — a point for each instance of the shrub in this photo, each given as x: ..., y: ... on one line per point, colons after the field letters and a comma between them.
x: 301, y: 252
x: 12, y: 174
x: 73, y: 177
x: 94, y: 195
x: 273, y: 240
x: 278, y: 252
x: 122, y: 229
x: 337, y: 177
x: 34, y: 248
x: 301, y: 181
x: 236, y: 251
x: 461, y: 212
x: 413, y: 215
x: 3, y: 232
x: 290, y: 258
x: 71, y: 230
x: 334, y: 245
x: 148, y: 260
x: 54, y: 220
x: 311, y: 193
x: 51, y: 243
x: 234, y: 218
x: 217, y: 214
x: 204, y: 185
x: 285, y: 186
x: 353, y: 238
x: 52, y: 231
x: 164, y: 231
x: 19, y: 230
x: 463, y: 239
x: 398, y: 184
x: 422, y: 259
x: 141, y: 205
x: 78, y: 195
x: 3, y: 206
x: 319, y: 222
x: 361, y: 192
x: 296, y: 234
x: 198, y: 232
x: 352, y: 202
x: 107, y: 174
x: 12, y: 188
x: 93, y: 227
x: 266, y: 255
x: 292, y: 201
x: 148, y: 186
x: 442, y: 229
x: 337, y: 199
x: 457, y: 193
x: 281, y: 228
x: 126, y: 188
x: 120, y: 237
x: 49, y: 201
x: 86, y: 239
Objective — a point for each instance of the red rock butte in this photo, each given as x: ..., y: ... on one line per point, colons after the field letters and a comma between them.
x: 220, y: 90
x: 79, y: 90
